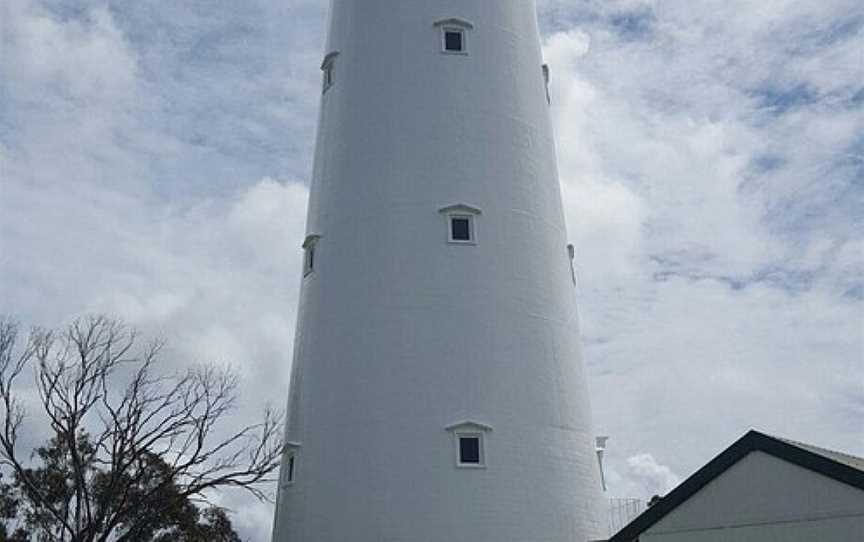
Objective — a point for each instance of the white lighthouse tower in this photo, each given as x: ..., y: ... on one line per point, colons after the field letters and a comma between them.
x: 437, y: 393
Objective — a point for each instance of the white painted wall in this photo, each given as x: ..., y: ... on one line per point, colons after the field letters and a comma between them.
x: 765, y: 499
x: 401, y: 334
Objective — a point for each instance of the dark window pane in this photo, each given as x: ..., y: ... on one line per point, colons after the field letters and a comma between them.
x: 461, y: 229
x: 291, y: 469
x: 310, y: 259
x: 469, y: 450
x: 453, y: 40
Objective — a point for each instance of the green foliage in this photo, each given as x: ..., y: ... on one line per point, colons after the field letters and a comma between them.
x: 132, y: 451
x: 9, y: 507
x: 212, y: 525
x: 157, y: 511
x: 56, y: 482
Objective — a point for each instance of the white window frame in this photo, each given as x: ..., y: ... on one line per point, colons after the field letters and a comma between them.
x: 310, y: 247
x: 571, y: 254
x: 461, y: 211
x: 328, y: 69
x: 481, y: 458
x: 329, y: 76
x: 309, y: 260
x: 454, y: 24
x: 454, y: 30
x: 471, y: 235
x: 469, y: 429
x: 546, y: 79
x: 288, y: 471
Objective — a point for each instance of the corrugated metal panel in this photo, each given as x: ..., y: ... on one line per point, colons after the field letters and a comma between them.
x: 847, y: 459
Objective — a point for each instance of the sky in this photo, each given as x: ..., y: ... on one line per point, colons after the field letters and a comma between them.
x: 155, y: 159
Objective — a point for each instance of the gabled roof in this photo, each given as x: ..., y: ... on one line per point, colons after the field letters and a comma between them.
x: 840, y: 457
x: 844, y: 468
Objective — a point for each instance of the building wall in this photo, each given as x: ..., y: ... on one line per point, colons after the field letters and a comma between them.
x: 765, y: 499
x: 401, y: 333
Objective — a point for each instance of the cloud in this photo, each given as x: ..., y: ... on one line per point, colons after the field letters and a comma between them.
x: 650, y: 477
x: 109, y: 203
x: 155, y: 155
x: 85, y: 61
x: 716, y: 211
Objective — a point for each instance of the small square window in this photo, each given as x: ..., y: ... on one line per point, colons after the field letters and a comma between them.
x: 328, y: 70
x: 461, y: 223
x: 454, y: 35
x: 469, y: 440
x: 328, y: 76
x: 309, y: 260
x: 310, y: 246
x: 460, y: 228
x: 469, y: 450
x: 289, y: 470
x: 546, y: 81
x: 454, y: 40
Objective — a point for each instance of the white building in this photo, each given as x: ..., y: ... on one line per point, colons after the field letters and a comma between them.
x: 437, y: 391
x: 761, y: 489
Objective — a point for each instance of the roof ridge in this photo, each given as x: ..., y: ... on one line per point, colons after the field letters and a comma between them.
x: 807, y: 445
x: 824, y: 462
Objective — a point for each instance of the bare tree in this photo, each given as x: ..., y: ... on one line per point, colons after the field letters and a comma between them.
x: 125, y: 434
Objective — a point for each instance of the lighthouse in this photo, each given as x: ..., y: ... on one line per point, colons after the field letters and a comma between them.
x: 437, y: 390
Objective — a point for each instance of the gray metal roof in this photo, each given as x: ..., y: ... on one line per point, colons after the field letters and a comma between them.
x: 849, y: 460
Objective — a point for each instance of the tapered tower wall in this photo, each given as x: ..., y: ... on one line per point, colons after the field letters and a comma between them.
x: 402, y: 334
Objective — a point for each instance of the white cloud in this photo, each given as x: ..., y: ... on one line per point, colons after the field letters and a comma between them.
x: 106, y: 207
x: 639, y: 475
x: 87, y: 61
x: 710, y: 204
x: 710, y: 155
x: 650, y: 477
